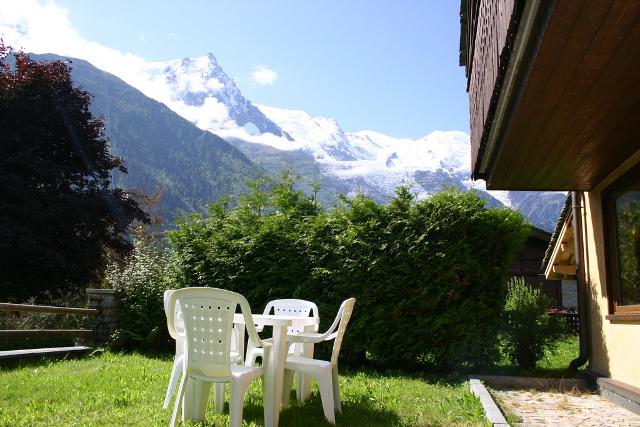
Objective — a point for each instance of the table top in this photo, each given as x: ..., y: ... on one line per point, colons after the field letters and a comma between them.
x: 272, y: 319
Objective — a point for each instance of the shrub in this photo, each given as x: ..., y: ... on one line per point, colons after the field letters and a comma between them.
x: 140, y: 284
x: 528, y: 327
x: 428, y: 276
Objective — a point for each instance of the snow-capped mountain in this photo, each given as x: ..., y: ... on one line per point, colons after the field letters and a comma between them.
x: 199, y: 90
x: 378, y: 162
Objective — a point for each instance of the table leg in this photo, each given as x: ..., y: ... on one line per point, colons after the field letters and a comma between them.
x: 303, y: 381
x: 195, y: 400
x: 272, y: 385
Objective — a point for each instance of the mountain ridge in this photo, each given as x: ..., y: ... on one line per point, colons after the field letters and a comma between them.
x: 350, y: 162
x: 164, y: 152
x: 198, y: 91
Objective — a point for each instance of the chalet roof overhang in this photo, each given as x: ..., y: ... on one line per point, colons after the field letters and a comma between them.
x: 559, y: 260
x: 568, y: 111
x: 562, y: 264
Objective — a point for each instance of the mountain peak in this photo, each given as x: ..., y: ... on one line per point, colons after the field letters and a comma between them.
x: 212, y: 58
x: 200, y: 90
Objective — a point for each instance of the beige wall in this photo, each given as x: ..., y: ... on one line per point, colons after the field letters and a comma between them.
x: 615, y: 347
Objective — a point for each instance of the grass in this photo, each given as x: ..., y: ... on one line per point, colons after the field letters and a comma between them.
x: 116, y: 389
x: 512, y: 419
x: 553, y: 365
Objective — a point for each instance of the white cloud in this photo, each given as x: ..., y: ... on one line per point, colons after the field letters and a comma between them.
x: 263, y: 75
x: 45, y: 28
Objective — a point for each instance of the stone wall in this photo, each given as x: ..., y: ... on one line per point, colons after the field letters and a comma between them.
x: 105, y: 323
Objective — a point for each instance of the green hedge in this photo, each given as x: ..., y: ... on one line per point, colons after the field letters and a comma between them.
x: 429, y: 276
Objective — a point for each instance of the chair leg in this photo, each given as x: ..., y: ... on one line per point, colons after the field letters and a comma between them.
x: 179, y: 398
x: 326, y: 395
x: 299, y: 387
x: 219, y: 396
x: 286, y: 387
x: 173, y: 380
x: 237, y: 389
x: 336, y: 390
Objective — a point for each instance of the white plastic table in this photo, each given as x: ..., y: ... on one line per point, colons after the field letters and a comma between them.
x: 197, y: 392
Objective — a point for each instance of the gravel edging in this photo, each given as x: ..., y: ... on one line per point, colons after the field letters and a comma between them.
x: 491, y: 409
x: 537, y: 383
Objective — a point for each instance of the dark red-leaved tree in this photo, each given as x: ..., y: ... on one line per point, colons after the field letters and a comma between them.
x: 58, y: 213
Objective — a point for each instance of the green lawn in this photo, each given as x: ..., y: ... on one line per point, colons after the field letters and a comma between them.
x: 553, y: 364
x: 115, y: 389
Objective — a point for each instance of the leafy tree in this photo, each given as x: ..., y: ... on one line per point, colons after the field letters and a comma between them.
x: 58, y: 212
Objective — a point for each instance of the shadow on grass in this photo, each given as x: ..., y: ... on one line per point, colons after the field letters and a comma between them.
x: 537, y: 372
x: 310, y: 414
x: 555, y: 364
x: 436, y: 378
x: 38, y: 361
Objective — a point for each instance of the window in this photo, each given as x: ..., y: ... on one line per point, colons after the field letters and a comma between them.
x: 622, y: 226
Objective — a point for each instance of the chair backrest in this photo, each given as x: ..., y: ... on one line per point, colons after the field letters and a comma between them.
x: 339, y: 326
x: 179, y: 324
x: 293, y: 307
x: 208, y: 322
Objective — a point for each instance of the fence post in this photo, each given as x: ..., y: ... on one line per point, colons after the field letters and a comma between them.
x: 105, y: 323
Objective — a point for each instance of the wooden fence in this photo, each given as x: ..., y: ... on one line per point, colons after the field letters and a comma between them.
x: 45, y: 333
x: 573, y: 321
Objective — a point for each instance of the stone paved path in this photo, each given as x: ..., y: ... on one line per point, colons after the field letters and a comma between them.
x: 542, y: 408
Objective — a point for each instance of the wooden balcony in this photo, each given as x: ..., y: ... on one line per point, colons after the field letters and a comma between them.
x: 485, y: 50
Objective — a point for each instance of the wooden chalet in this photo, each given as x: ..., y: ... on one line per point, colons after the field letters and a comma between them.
x: 554, y: 97
x: 527, y: 263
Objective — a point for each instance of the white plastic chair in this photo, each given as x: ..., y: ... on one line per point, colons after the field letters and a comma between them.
x: 284, y: 307
x: 208, y: 314
x: 325, y: 372
x: 287, y: 307
x: 178, y: 335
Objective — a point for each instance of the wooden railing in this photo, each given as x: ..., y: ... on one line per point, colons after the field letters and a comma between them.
x: 572, y: 319
x: 43, y: 333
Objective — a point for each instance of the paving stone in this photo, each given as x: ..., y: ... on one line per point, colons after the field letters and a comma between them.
x: 573, y: 408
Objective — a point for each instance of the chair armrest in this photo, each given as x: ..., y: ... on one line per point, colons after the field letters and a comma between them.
x: 306, y: 337
x: 267, y: 343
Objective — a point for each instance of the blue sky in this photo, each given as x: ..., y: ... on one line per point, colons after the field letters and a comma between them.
x: 389, y: 66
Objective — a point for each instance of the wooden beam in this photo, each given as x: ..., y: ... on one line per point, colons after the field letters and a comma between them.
x: 566, y: 270
x: 48, y: 309
x: 34, y: 352
x: 45, y: 333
